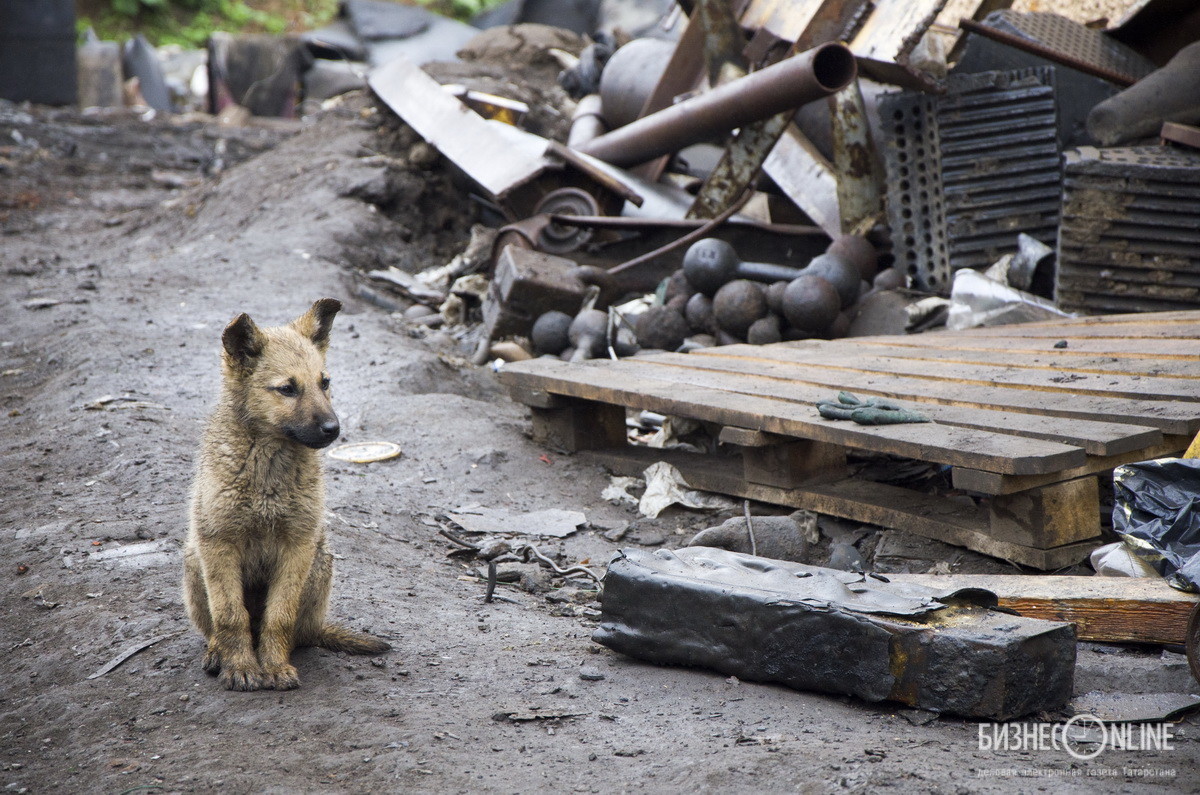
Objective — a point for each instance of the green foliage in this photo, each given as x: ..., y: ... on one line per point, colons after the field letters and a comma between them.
x: 189, y: 23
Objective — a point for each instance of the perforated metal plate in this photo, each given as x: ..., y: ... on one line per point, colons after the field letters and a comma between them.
x: 969, y: 170
x: 1130, y: 234
x: 1073, y: 40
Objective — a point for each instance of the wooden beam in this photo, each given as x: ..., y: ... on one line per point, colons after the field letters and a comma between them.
x: 1109, y: 609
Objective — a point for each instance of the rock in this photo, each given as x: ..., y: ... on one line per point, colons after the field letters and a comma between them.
x: 590, y: 673
x: 776, y: 537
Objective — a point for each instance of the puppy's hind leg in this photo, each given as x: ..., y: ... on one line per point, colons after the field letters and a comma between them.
x: 313, y: 630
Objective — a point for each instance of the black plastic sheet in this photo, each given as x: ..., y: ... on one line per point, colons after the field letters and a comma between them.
x: 1156, y: 511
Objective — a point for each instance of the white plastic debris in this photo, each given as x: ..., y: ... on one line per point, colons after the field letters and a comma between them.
x: 665, y: 486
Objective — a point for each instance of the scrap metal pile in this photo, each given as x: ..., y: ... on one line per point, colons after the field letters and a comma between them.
x: 757, y: 172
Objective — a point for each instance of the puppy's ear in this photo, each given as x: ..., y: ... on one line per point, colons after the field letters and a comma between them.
x: 243, y: 341
x: 317, y: 321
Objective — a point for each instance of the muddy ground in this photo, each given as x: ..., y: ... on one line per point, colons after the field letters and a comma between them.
x: 126, y: 247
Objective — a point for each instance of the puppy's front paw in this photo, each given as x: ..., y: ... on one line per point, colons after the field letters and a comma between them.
x: 283, y: 677
x: 242, y: 677
x: 212, y: 661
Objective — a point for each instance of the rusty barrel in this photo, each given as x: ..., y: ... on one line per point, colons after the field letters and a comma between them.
x: 786, y: 85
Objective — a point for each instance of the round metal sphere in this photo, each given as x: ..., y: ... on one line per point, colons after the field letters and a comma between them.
x: 841, y: 274
x: 549, y: 333
x: 737, y: 305
x: 709, y: 264
x: 810, y: 303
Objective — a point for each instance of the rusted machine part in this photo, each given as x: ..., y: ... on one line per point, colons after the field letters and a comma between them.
x: 740, y: 165
x: 1192, y: 643
x: 859, y: 172
x: 555, y: 238
x: 630, y: 76
x: 788, y: 84
x: 723, y: 39
x: 522, y: 234
x: 587, y: 122
x: 632, y: 223
x: 1048, y: 53
x: 595, y: 173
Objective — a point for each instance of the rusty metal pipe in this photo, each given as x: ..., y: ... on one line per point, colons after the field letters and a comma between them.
x: 788, y: 84
x: 587, y: 123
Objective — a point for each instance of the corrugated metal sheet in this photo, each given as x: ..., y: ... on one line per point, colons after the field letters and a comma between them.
x: 1130, y: 234
x: 970, y: 169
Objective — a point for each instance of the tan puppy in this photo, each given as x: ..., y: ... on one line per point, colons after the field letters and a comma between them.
x: 256, y: 569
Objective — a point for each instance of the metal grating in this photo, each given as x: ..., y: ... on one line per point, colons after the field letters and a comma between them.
x: 1073, y: 40
x: 970, y: 169
x: 1130, y: 234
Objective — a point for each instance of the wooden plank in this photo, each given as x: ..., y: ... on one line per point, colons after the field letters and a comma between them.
x: 861, y: 501
x: 1107, y: 385
x: 1097, y: 438
x: 991, y: 483
x: 607, y: 381
x: 1168, y: 416
x: 744, y: 437
x: 798, y: 461
x: 1048, y: 516
x: 1106, y: 609
x: 581, y: 425
x: 1179, y: 330
x: 1187, y: 371
x: 1124, y: 351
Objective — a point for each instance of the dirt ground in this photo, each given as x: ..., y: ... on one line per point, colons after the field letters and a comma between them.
x: 127, y: 245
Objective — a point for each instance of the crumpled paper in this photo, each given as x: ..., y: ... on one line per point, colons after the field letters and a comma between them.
x: 665, y: 486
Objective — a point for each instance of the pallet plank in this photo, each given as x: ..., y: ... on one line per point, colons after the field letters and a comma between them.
x: 861, y: 501
x: 608, y: 382
x: 991, y: 483
x: 1168, y: 416
x: 1124, y: 352
x: 1186, y: 371
x: 1097, y: 438
x: 1106, y: 609
x: 831, y: 358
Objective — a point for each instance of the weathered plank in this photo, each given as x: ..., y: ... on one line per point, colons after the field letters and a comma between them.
x: 1186, y: 371
x: 1048, y: 516
x: 1168, y: 416
x: 861, y: 501
x: 1108, y: 609
x: 607, y: 382
x: 835, y: 359
x: 991, y: 483
x: 1097, y: 438
x: 1124, y: 352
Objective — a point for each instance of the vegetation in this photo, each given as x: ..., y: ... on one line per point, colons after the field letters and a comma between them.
x: 190, y: 22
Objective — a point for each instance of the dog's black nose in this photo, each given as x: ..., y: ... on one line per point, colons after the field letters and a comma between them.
x: 330, y: 429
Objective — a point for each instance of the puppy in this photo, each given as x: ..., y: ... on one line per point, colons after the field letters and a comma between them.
x: 257, y: 571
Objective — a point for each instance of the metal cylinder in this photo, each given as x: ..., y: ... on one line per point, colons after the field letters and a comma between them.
x: 788, y: 84
x: 587, y: 123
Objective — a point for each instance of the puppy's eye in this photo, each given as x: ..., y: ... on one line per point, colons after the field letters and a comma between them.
x: 287, y: 390
x: 325, y: 382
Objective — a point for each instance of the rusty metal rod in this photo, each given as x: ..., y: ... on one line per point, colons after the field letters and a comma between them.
x: 1049, y: 53
x: 788, y: 84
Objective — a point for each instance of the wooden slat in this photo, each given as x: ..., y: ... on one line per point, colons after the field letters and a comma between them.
x: 1190, y: 329
x: 1187, y: 372
x: 1169, y: 417
x: 991, y: 483
x: 1126, y: 352
x: 873, y: 503
x: 607, y: 382
x: 1108, y: 385
x: 1097, y: 438
x: 1108, y: 609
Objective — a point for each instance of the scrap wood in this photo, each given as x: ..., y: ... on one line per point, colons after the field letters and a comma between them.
x: 1110, y: 609
x: 129, y: 652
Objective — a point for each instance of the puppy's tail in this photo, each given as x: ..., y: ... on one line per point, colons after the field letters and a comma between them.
x: 338, y: 638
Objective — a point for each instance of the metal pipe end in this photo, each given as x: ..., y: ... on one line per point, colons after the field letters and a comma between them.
x: 834, y: 66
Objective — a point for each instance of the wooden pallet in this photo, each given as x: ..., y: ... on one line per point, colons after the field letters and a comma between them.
x: 1027, y: 417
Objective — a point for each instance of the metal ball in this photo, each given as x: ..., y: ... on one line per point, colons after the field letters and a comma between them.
x: 737, y: 305
x: 550, y: 331
x: 661, y: 327
x: 841, y: 274
x: 810, y: 303
x: 709, y: 264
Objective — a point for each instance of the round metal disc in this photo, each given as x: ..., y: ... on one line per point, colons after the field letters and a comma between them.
x: 365, y: 452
